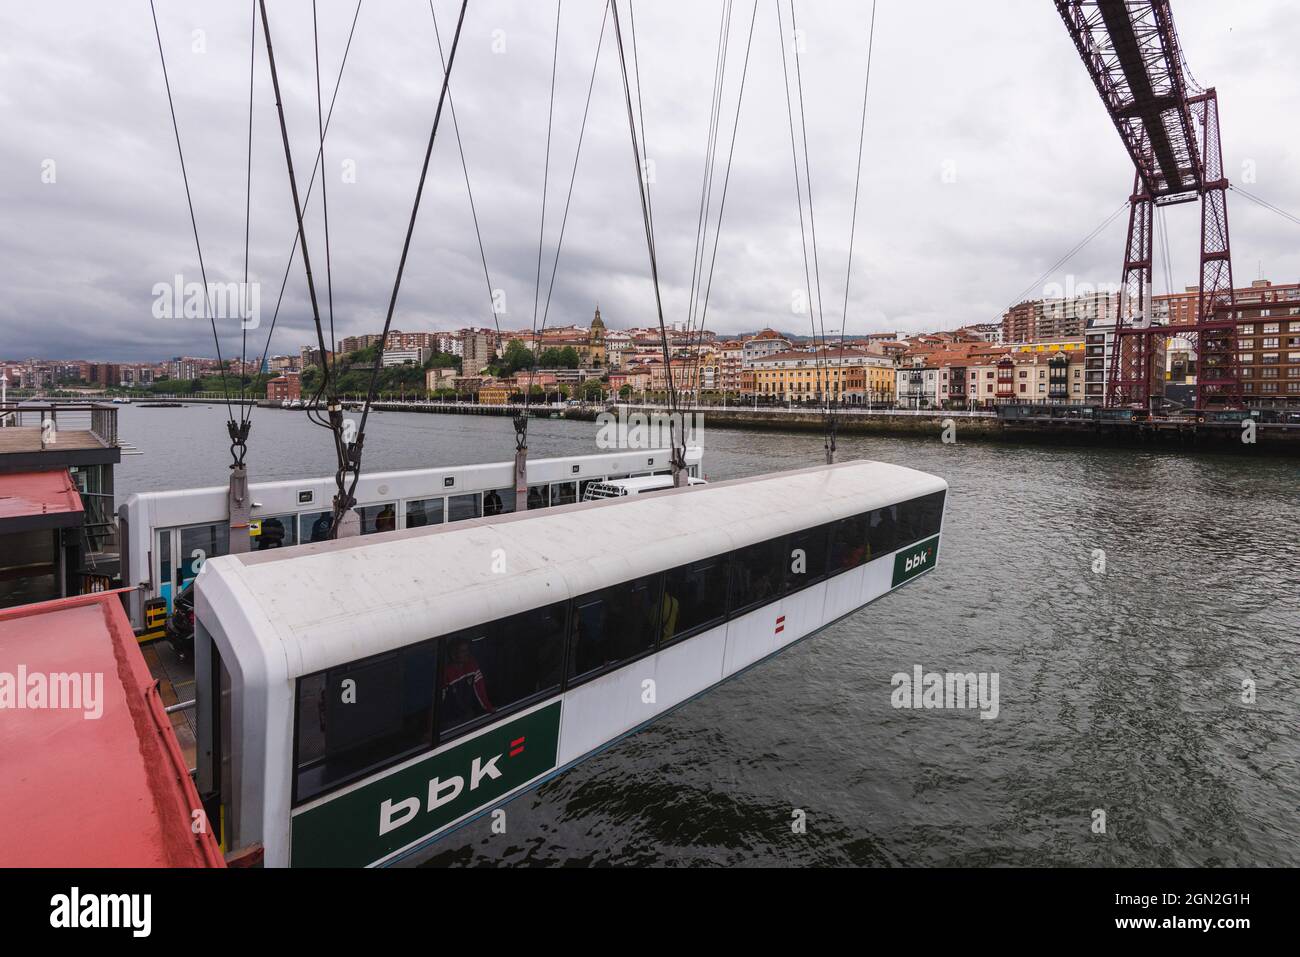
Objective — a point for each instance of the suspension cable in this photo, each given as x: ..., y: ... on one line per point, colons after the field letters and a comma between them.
x: 679, y: 453
x: 1074, y: 251
x: 706, y: 183
x: 1265, y: 204
x: 324, y: 192
x: 521, y: 421
x: 703, y: 302
x: 726, y: 177
x: 640, y: 109
x: 573, y: 175
x: 355, y: 447
x: 798, y: 189
x: 312, y: 415
x: 807, y: 174
x: 710, y: 150
x: 469, y: 190
x: 336, y: 418
x: 853, y: 224
x: 231, y: 426
x: 248, y: 221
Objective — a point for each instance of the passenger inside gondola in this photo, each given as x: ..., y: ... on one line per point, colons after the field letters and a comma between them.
x: 464, y: 692
x: 272, y: 534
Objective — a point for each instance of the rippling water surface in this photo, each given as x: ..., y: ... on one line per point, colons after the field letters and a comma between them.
x: 1119, y: 691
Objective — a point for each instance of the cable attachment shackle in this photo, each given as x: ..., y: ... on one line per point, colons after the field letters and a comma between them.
x: 521, y: 432
x: 238, y: 440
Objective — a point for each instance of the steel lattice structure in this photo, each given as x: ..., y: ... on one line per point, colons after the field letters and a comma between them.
x: 1170, y: 127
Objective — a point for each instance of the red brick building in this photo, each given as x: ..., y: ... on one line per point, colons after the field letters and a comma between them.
x: 287, y: 386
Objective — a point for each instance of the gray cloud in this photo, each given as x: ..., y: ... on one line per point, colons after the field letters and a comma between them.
x: 995, y: 94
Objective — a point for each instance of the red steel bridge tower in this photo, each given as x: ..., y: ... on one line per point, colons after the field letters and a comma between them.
x: 1170, y: 126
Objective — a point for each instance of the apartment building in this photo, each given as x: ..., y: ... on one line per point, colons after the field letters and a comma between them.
x: 853, y: 375
x: 478, y: 351
x: 1039, y: 320
x: 769, y: 342
x: 1268, y: 353
x: 1181, y: 307
x: 414, y: 355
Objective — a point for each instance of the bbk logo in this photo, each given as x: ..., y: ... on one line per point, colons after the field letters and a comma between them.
x: 913, y: 561
x: 917, y: 561
x: 442, y: 791
x: 408, y: 805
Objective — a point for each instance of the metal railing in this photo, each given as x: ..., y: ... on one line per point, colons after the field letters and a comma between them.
x: 97, y: 418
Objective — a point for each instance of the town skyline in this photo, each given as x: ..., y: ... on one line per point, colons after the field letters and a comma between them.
x: 958, y: 213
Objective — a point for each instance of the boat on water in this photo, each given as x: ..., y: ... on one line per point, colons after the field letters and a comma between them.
x: 359, y: 698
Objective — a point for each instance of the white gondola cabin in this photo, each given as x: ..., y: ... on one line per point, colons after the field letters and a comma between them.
x: 359, y: 698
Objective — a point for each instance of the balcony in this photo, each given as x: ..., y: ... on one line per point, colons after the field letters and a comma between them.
x: 32, y: 428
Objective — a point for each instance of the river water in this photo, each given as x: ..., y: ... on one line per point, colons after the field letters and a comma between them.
x: 1121, y: 690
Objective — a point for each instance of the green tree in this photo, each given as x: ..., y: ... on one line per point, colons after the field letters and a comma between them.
x: 517, y: 356
x: 443, y: 360
x: 555, y: 358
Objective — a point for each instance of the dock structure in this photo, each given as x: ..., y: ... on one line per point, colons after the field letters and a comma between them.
x: 58, y: 536
x: 79, y: 433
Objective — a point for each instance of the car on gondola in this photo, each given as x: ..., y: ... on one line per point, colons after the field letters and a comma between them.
x: 180, y: 623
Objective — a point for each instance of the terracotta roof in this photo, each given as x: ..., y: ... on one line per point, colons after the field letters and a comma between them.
x: 822, y: 355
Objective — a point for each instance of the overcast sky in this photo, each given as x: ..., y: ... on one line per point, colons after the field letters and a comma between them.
x: 988, y: 156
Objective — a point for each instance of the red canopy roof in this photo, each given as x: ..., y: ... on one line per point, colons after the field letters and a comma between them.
x: 46, y: 499
x: 93, y: 775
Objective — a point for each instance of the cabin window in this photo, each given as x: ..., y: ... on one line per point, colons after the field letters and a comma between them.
x: 377, y: 518
x: 813, y: 543
x: 499, y: 501
x: 461, y: 507
x: 848, y: 544
x: 695, y: 598
x: 422, y: 512
x: 539, y: 496
x: 361, y: 716
x: 164, y: 556
x: 564, y: 493
x: 614, y: 625
x: 921, y: 518
x: 757, y: 574
x: 884, y: 534
x: 492, y: 668
x: 314, y: 526
x: 198, y: 544
x: 275, y: 531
